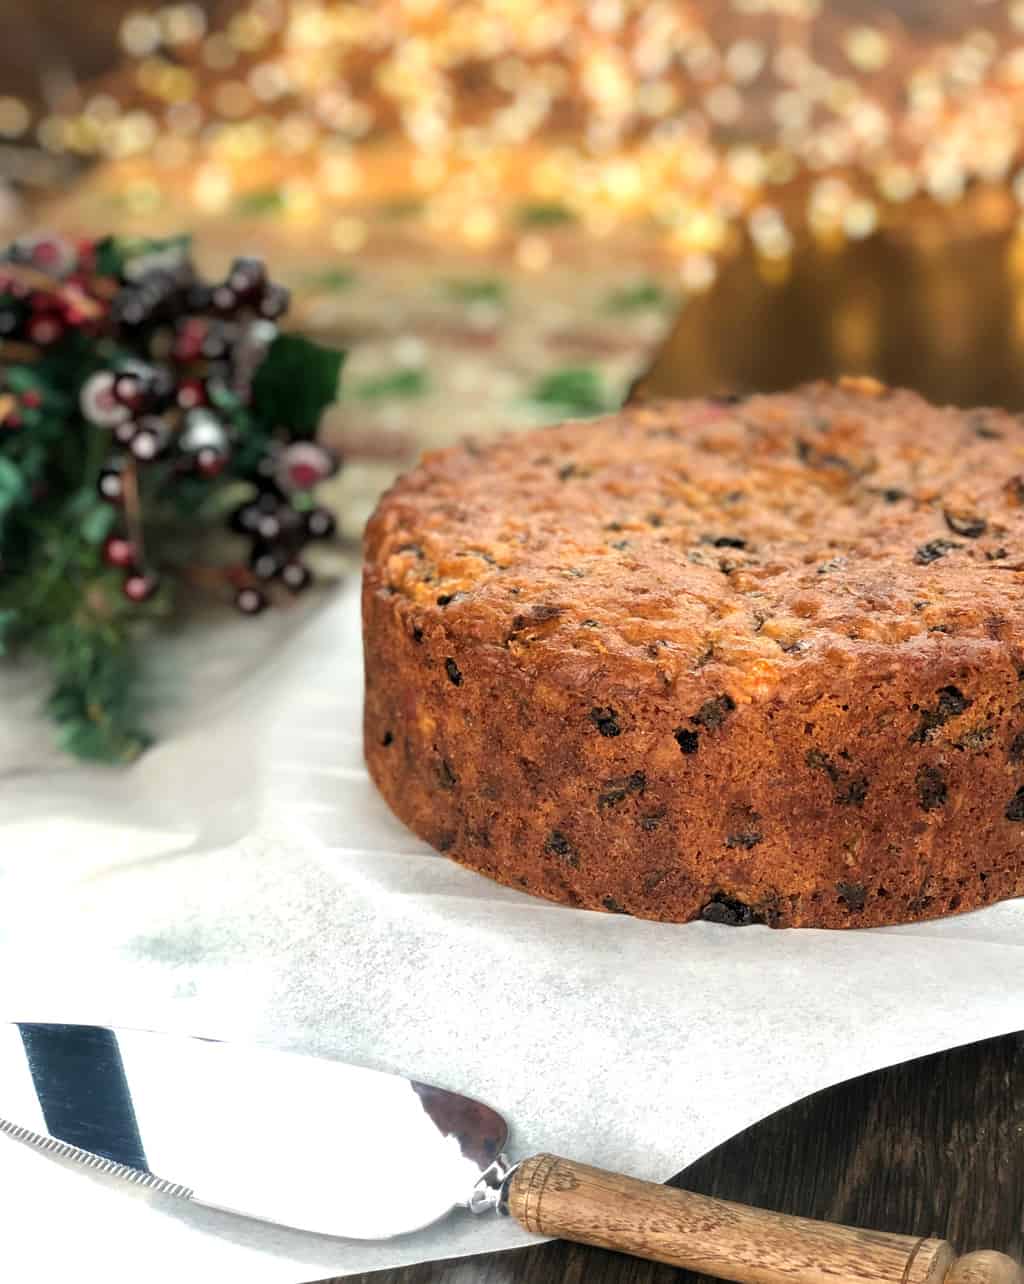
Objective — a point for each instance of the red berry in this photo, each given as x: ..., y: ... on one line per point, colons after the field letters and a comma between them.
x: 146, y: 444
x: 110, y: 486
x: 192, y: 393
x: 51, y: 254
x: 140, y: 586
x: 129, y: 391
x: 209, y: 462
x: 303, y: 464
x: 13, y: 420
x: 250, y: 601
x: 118, y: 551
x: 31, y: 399
x: 320, y: 523
x: 98, y: 403
x: 296, y: 577
x: 265, y: 566
x: 247, y: 278
x: 188, y: 342
x: 224, y: 299
x: 274, y: 302
x: 44, y: 330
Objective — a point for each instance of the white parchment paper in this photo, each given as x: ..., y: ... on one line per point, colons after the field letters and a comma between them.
x: 243, y: 881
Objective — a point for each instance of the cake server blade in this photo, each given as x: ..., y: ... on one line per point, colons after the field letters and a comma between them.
x: 352, y: 1152
x: 301, y: 1141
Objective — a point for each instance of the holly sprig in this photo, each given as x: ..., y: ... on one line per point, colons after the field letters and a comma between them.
x: 139, y: 407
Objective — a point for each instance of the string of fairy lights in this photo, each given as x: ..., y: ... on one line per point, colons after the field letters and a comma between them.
x: 695, y: 117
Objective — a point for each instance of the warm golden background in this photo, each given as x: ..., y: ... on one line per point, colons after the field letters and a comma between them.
x: 482, y: 302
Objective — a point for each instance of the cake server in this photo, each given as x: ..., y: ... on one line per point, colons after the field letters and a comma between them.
x: 341, y: 1150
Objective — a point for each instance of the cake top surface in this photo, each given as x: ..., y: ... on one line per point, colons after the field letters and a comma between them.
x: 719, y: 543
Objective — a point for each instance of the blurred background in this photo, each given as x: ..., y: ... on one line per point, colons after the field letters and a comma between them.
x: 514, y: 211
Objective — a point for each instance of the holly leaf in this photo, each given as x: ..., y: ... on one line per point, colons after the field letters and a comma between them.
x: 295, y: 383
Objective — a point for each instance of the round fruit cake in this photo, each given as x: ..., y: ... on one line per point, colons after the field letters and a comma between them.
x: 747, y: 660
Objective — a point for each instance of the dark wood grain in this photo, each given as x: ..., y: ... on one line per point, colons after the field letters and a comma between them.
x: 931, y: 1147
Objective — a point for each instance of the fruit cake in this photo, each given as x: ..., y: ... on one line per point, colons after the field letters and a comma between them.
x: 751, y: 660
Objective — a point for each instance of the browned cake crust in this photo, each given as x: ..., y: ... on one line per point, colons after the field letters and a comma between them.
x: 752, y: 661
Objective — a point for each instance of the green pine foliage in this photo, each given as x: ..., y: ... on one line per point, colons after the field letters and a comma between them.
x: 59, y: 601
x: 62, y: 602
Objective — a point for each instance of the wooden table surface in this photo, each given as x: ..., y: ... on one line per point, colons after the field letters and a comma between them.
x: 931, y: 1147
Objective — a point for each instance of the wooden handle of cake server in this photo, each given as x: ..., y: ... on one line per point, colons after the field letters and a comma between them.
x: 552, y: 1196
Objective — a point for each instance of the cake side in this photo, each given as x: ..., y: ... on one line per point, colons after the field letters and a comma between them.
x: 739, y: 735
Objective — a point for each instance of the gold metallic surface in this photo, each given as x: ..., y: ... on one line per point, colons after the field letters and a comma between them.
x: 945, y: 317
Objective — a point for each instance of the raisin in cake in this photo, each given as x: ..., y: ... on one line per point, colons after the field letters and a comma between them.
x: 749, y: 660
